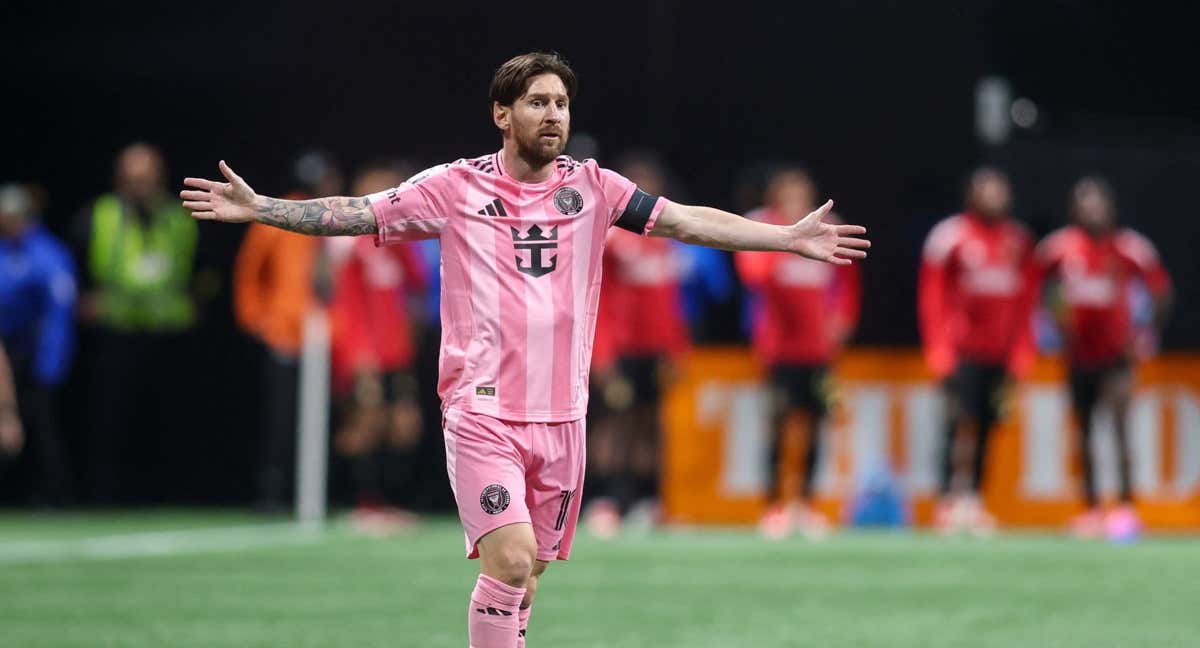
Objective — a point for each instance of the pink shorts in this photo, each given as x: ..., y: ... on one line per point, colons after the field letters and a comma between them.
x: 504, y: 472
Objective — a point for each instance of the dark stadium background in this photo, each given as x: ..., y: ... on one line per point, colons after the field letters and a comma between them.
x: 877, y: 98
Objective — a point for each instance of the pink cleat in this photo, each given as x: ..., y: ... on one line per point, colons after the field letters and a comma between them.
x: 1123, y: 525
x: 603, y: 519
x: 946, y: 518
x: 1088, y: 525
x: 776, y: 523
x: 382, y: 521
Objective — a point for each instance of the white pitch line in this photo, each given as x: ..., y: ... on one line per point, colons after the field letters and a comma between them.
x: 157, y: 543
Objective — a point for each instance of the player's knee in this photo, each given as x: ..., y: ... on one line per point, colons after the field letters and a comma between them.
x: 513, y: 563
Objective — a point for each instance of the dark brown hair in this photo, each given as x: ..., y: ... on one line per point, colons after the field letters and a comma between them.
x: 1088, y: 184
x: 1091, y: 183
x: 978, y: 176
x: 512, y: 79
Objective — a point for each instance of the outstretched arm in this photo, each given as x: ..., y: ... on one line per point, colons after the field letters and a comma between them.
x: 808, y: 237
x: 236, y: 202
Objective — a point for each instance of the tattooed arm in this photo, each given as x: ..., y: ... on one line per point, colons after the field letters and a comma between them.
x: 337, y: 216
x: 236, y: 202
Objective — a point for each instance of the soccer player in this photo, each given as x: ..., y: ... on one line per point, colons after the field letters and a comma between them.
x: 974, y: 315
x: 522, y: 232
x: 1095, y: 265
x: 642, y: 288
x: 373, y: 353
x: 803, y: 312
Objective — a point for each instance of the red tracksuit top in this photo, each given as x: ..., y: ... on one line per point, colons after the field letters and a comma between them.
x: 369, y: 310
x: 1096, y: 274
x: 974, y: 294
x: 642, y: 295
x: 804, y: 308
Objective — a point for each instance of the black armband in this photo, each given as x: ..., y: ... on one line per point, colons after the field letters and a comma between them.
x: 637, y: 212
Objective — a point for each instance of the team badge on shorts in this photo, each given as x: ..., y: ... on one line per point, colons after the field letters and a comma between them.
x: 494, y: 499
x: 568, y: 201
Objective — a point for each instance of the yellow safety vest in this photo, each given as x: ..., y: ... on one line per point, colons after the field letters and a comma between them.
x: 143, y: 270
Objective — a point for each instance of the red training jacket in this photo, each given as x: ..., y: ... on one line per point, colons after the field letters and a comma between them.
x: 1096, y: 274
x: 806, y: 308
x: 369, y: 310
x: 974, y: 294
x: 641, y: 288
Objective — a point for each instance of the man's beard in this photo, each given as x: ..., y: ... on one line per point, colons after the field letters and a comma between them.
x: 539, y: 154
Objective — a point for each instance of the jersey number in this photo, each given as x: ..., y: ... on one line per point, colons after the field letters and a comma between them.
x: 566, y: 498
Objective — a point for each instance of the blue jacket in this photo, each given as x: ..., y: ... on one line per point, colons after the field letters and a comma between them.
x: 37, y: 303
x: 707, y: 279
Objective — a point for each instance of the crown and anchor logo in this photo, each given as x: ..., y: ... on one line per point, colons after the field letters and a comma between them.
x: 537, y: 242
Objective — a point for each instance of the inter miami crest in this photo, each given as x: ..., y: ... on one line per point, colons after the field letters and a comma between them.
x: 494, y: 499
x: 568, y: 201
x: 537, y: 243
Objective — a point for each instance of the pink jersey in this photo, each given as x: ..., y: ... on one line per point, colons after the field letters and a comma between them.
x: 520, y: 277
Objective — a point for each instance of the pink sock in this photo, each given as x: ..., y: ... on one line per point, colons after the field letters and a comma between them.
x: 523, y: 622
x: 493, y: 615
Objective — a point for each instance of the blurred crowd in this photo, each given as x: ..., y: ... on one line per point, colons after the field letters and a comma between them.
x: 126, y: 273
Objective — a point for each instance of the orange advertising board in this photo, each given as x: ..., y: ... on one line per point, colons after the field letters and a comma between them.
x: 889, y: 415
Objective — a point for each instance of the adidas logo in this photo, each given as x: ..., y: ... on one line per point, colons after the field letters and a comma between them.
x: 493, y: 612
x: 494, y: 208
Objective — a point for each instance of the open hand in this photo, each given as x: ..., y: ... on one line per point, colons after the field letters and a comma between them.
x: 813, y: 238
x: 230, y: 202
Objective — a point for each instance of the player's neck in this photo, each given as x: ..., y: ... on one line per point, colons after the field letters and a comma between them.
x: 990, y: 220
x: 521, y: 169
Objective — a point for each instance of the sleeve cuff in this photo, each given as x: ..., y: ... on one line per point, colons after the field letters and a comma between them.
x: 659, y: 206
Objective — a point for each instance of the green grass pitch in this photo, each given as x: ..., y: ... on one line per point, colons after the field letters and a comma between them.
x: 220, y: 579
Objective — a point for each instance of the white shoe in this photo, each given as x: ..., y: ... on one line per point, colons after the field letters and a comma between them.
x: 978, y: 521
x: 644, y: 516
x: 813, y: 524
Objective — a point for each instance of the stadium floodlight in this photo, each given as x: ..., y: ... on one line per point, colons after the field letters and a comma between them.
x: 993, y: 99
x: 1024, y: 113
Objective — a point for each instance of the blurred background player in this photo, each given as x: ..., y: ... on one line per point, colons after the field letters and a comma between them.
x: 643, y: 296
x: 609, y: 395
x: 973, y: 309
x: 140, y: 250
x: 37, y: 325
x: 374, y: 380
x: 275, y: 278
x: 803, y: 312
x: 1095, y: 265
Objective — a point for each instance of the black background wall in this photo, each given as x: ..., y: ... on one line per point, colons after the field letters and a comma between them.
x: 876, y: 97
